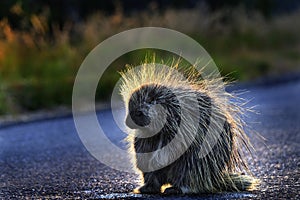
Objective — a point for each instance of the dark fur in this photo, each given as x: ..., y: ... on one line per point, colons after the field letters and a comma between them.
x: 176, y: 172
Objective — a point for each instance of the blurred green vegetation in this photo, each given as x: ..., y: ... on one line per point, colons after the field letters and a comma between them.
x: 37, y: 69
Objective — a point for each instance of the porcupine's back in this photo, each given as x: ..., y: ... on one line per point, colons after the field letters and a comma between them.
x: 212, y: 173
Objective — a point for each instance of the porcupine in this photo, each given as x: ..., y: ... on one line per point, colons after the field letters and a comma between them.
x: 180, y: 166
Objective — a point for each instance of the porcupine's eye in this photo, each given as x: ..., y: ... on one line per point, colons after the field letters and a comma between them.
x: 150, y: 101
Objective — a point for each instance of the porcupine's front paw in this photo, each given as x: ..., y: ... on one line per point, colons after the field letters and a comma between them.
x: 172, y: 190
x: 147, y: 189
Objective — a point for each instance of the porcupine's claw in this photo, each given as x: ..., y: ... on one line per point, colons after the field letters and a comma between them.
x: 147, y: 189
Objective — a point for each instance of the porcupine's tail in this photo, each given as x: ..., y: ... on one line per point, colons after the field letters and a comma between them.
x: 240, y: 182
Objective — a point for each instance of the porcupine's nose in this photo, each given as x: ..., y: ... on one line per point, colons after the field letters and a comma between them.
x: 137, y: 119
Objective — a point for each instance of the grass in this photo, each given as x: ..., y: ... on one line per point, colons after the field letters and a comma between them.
x: 37, y: 68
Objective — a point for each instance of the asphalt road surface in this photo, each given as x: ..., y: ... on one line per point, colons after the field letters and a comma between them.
x: 46, y: 159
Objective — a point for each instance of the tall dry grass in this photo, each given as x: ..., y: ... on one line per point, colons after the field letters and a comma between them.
x: 37, y: 68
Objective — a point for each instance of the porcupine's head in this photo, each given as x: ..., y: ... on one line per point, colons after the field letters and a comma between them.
x: 153, y: 96
x: 151, y: 107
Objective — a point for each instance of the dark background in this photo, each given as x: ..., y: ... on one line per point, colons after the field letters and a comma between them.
x: 43, y: 43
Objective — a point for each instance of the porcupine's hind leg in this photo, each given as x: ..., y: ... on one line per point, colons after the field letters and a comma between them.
x: 152, y: 183
x: 173, y: 190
